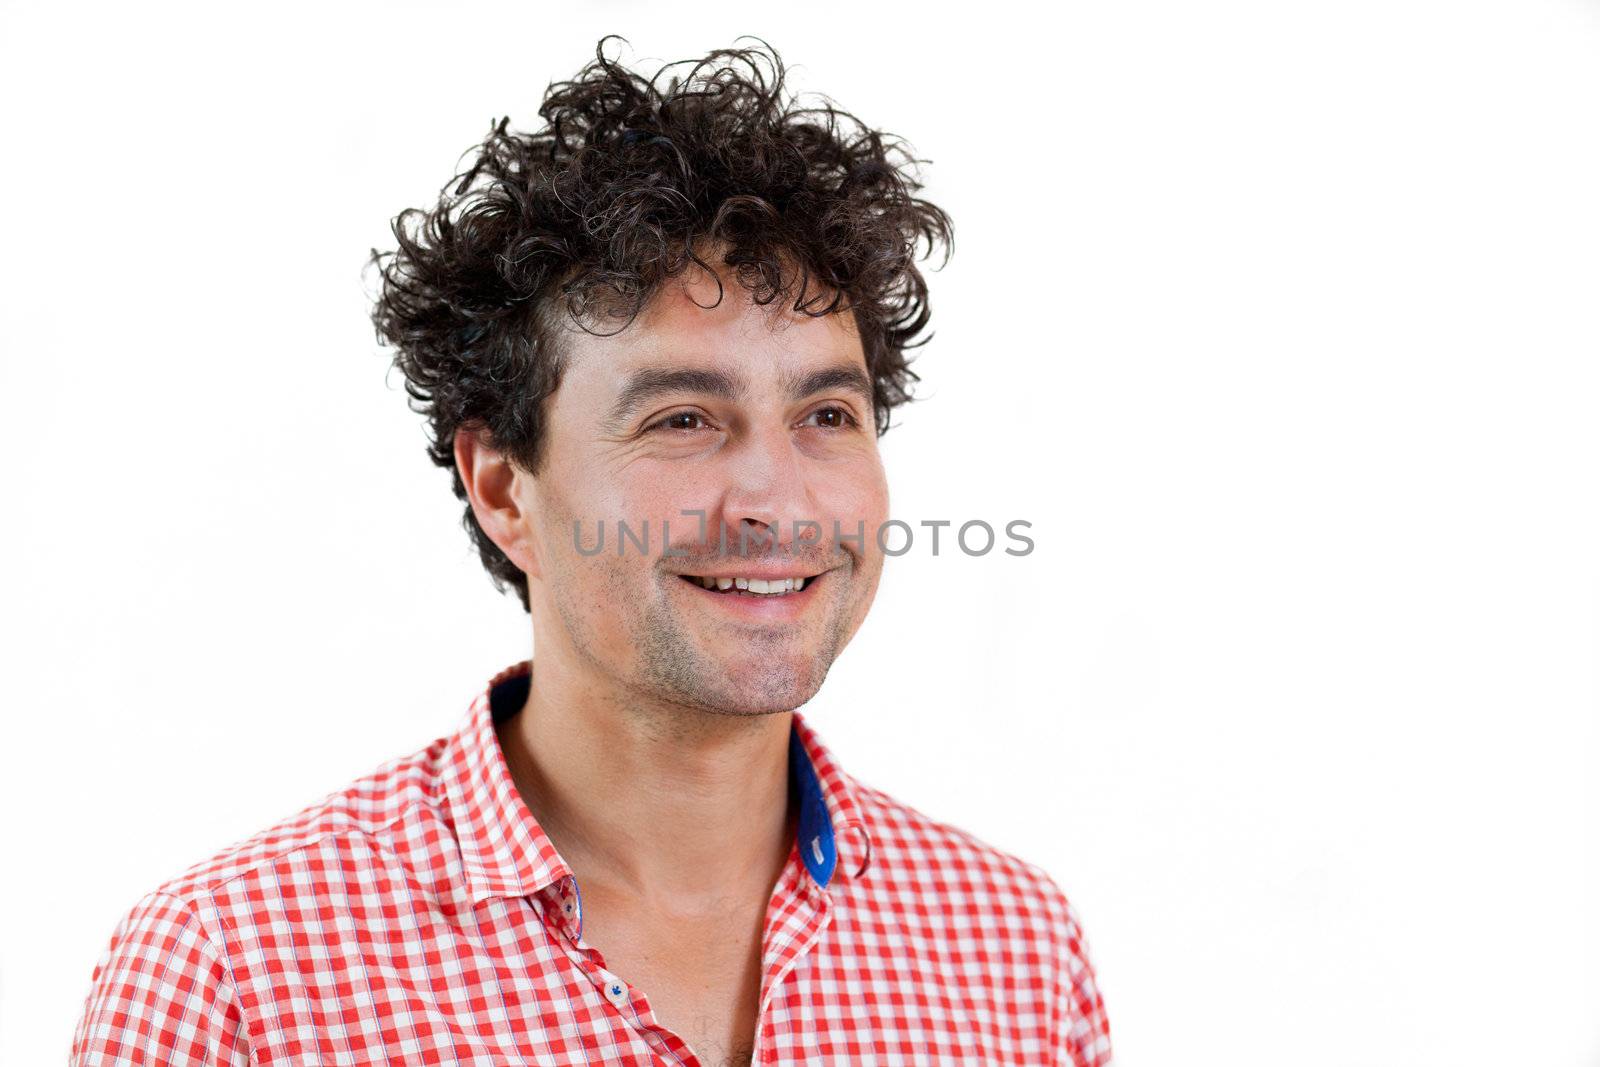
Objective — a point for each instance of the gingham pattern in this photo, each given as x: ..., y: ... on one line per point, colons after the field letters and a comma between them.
x: 421, y: 916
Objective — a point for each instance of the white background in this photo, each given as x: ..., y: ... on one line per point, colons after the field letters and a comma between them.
x: 1278, y: 321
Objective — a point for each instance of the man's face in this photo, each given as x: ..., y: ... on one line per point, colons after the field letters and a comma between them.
x: 762, y: 424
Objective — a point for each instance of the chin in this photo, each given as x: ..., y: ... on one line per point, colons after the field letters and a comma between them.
x: 748, y: 690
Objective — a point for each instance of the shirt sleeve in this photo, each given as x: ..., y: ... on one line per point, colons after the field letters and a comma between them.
x: 1082, y: 1032
x: 161, y: 993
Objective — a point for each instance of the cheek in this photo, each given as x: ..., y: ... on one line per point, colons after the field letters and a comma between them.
x: 659, y: 494
x: 596, y: 497
x: 863, y: 495
x: 654, y: 490
x: 857, y: 502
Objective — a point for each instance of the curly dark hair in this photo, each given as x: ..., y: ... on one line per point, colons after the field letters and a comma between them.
x: 624, y: 187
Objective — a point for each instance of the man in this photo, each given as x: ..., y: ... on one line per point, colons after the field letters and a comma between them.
x: 656, y: 343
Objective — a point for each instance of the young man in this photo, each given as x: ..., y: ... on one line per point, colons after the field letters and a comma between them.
x: 656, y: 342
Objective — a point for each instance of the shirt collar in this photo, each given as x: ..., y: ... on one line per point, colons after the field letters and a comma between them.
x: 505, y: 853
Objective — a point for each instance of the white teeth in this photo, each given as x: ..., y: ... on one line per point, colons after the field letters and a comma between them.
x: 758, y: 586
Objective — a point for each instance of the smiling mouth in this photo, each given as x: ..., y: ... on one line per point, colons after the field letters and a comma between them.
x: 751, y: 587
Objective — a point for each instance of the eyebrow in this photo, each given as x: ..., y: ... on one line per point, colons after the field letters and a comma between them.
x: 650, y: 382
x: 644, y: 385
x: 845, y: 376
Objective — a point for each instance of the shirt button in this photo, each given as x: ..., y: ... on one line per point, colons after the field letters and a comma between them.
x: 570, y: 901
x: 616, y: 990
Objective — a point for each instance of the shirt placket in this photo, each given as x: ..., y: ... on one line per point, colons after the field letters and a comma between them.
x: 797, y: 915
x: 563, y: 914
x: 796, y: 918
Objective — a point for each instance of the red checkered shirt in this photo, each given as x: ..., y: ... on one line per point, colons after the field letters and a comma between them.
x: 421, y: 916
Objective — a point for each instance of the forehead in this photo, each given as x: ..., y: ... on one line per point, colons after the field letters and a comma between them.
x: 685, y: 324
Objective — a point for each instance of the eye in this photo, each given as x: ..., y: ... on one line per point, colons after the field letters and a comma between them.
x: 680, y: 420
x: 833, y: 418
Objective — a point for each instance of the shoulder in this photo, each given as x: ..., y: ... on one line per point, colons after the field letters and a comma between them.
x: 943, y: 879
x: 164, y: 985
x: 910, y: 846
x: 161, y: 993
x: 369, y: 812
x: 367, y: 829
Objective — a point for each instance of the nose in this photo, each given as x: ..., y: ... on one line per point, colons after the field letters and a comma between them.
x: 767, y: 496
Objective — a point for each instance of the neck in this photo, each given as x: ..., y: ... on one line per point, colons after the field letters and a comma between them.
x: 680, y: 810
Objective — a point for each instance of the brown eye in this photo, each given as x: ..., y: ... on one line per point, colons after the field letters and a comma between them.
x: 681, y: 420
x: 834, y: 418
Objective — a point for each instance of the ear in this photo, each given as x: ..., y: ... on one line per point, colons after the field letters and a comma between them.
x: 499, y: 492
